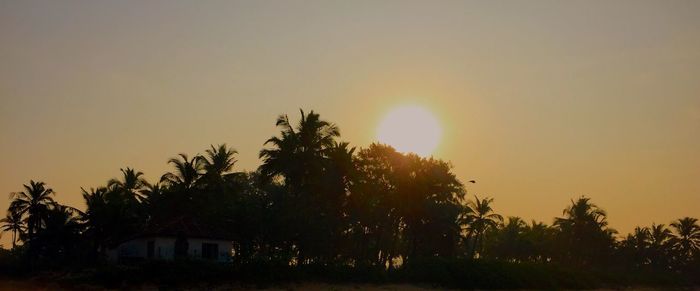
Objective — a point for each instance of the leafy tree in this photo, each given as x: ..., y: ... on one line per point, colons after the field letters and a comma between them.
x: 402, y: 206
x: 316, y: 200
x: 375, y: 221
x: 430, y: 206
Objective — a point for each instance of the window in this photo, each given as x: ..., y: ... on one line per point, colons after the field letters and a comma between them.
x: 210, y: 251
x: 150, y: 245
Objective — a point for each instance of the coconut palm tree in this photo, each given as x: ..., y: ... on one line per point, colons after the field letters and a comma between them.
x: 35, y: 201
x: 131, y: 184
x: 187, y: 172
x: 300, y: 156
x: 508, y: 241
x: 660, y: 238
x: 539, y: 238
x: 480, y: 217
x: 152, y: 194
x: 13, y: 222
x: 218, y: 164
x: 61, y: 235
x: 298, y: 151
x: 641, y: 238
x: 687, y: 236
x: 97, y: 217
x: 636, y: 245
x: 583, y: 233
x: 583, y: 213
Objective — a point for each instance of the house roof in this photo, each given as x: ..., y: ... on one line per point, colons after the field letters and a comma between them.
x: 180, y: 225
x: 184, y: 225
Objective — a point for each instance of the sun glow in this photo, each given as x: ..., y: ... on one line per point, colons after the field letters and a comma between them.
x: 410, y: 129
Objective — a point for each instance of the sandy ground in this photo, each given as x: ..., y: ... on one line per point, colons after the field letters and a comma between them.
x: 12, y: 285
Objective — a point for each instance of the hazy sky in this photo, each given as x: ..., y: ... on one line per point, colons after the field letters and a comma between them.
x: 540, y: 101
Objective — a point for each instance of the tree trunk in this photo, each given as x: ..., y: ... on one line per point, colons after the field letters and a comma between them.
x: 470, y: 251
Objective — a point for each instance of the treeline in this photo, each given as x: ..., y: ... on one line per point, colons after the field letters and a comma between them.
x: 316, y: 201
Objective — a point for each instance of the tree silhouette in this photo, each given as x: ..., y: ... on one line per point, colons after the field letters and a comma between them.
x: 660, y: 239
x: 218, y: 164
x: 130, y: 186
x: 584, y: 237
x: 300, y: 155
x: 187, y: 172
x: 687, y: 238
x: 508, y: 242
x: 13, y: 223
x: 319, y: 205
x: 61, y: 234
x: 636, y: 246
x: 35, y: 201
x: 99, y: 218
x: 375, y: 220
x: 479, y: 218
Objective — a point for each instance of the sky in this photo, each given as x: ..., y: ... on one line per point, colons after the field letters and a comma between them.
x: 539, y: 101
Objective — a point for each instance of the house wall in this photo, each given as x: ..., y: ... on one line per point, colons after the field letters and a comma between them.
x: 164, y: 249
x: 135, y: 248
x: 195, y: 248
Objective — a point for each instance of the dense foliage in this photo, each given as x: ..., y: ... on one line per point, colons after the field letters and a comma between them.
x: 316, y: 202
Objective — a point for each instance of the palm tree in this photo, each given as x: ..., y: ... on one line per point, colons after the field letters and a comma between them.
x: 641, y: 238
x: 583, y: 212
x: 298, y: 149
x: 35, y: 201
x: 61, y: 233
x: 508, y: 241
x: 187, y: 172
x: 687, y: 236
x: 13, y: 222
x: 151, y: 194
x: 659, y: 242
x: 131, y: 185
x: 96, y: 217
x: 583, y: 232
x: 300, y: 156
x: 480, y: 217
x: 217, y: 164
x: 539, y: 237
x: 636, y: 246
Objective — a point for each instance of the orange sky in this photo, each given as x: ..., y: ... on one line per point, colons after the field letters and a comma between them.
x: 541, y: 101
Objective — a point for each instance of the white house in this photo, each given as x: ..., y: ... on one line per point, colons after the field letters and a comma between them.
x: 179, y: 237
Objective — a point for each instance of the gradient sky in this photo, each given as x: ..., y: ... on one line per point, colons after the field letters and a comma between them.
x: 541, y: 101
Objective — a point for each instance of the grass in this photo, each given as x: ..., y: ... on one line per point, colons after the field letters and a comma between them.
x: 443, y: 273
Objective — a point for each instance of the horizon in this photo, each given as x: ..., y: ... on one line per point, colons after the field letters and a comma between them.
x: 539, y: 107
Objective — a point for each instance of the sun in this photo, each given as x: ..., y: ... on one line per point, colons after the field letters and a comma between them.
x: 410, y: 128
